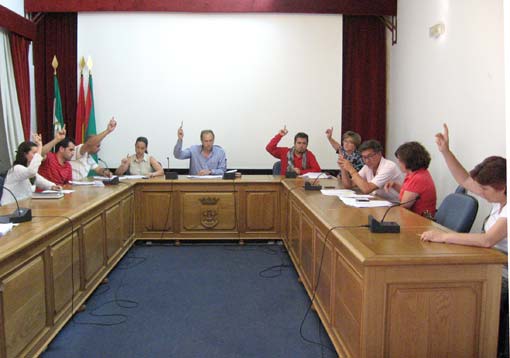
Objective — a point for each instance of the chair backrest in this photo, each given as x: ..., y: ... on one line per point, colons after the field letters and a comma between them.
x: 277, y: 168
x: 457, y: 212
x: 460, y: 190
x: 2, y: 179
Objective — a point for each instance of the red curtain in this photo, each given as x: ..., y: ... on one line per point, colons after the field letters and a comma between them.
x: 56, y: 35
x: 364, y: 77
x: 19, y: 52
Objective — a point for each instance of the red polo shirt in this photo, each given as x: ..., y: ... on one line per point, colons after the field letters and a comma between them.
x: 52, y: 170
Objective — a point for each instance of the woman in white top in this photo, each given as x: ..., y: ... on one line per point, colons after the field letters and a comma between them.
x: 140, y: 163
x: 488, y: 180
x: 25, y: 166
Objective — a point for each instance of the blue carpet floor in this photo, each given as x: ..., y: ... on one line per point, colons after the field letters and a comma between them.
x: 196, y: 301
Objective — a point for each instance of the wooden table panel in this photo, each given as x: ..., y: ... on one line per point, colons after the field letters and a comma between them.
x: 24, y: 306
x: 93, y: 247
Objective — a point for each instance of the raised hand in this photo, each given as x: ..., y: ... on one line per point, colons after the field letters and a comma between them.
x: 443, y: 140
x: 111, y: 125
x: 37, y: 139
x: 125, y: 161
x: 283, y: 131
x: 329, y: 132
x: 61, y: 134
x: 180, y: 133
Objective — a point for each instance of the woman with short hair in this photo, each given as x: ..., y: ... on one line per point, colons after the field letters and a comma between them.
x: 140, y: 163
x: 349, y: 148
x: 417, y: 192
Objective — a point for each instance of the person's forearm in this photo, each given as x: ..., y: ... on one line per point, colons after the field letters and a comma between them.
x: 121, y: 169
x: 334, y: 144
x: 346, y: 180
x: 459, y: 173
x: 361, y: 183
x: 49, y: 146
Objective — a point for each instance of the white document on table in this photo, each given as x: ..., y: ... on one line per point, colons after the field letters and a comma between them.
x: 337, y: 192
x: 128, y: 177
x: 5, y: 228
x: 86, y: 183
x: 365, y: 204
x: 205, y: 176
x: 315, y: 175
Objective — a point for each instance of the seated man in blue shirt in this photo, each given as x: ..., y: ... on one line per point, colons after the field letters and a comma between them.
x: 205, y: 159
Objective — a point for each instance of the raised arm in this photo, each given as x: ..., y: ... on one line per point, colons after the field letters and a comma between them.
x: 95, y: 140
x: 458, y: 172
x: 59, y: 136
x: 332, y: 141
x: 272, y: 146
x: 124, y: 166
x: 179, y: 153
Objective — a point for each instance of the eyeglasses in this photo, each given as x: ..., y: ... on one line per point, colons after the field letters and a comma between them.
x: 368, y: 157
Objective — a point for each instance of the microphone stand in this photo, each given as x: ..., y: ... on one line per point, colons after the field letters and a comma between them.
x: 19, y: 215
x: 384, y: 227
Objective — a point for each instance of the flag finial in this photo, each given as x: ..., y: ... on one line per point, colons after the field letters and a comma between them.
x: 90, y: 64
x: 54, y: 64
x: 82, y: 65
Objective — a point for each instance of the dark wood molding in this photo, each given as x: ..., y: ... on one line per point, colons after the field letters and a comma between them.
x: 346, y: 7
x: 13, y: 22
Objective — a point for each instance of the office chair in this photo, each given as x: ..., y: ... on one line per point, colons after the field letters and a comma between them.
x: 457, y: 212
x: 2, y: 179
x: 277, y: 168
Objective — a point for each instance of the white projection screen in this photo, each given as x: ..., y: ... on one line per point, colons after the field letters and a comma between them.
x: 244, y: 76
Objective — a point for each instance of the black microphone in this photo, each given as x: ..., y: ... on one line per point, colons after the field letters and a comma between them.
x: 19, y: 215
x: 106, y: 164
x: 312, y: 186
x: 382, y: 227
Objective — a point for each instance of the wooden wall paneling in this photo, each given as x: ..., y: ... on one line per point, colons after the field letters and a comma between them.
x: 156, y: 208
x: 93, y: 247
x: 262, y: 211
x: 323, y: 261
x: 65, y: 264
x: 419, y: 311
x: 307, y: 252
x: 114, y: 230
x: 294, y: 229
x: 24, y: 306
x: 348, y: 303
x: 127, y: 212
x: 284, y: 215
x: 207, y: 211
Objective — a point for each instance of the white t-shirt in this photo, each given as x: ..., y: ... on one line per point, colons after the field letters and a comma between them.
x: 17, y: 180
x: 386, y: 171
x: 82, y: 164
x: 493, y: 217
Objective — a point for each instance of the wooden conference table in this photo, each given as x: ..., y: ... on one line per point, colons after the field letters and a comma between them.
x: 378, y: 295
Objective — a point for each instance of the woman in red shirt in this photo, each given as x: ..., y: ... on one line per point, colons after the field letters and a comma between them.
x: 418, y: 191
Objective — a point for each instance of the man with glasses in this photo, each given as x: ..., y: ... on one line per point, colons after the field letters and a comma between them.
x: 376, y: 172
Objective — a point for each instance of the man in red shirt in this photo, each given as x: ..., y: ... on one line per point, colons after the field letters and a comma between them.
x: 297, y: 159
x: 56, y: 166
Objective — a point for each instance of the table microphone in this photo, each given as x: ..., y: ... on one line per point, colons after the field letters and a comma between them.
x: 382, y: 227
x: 19, y: 215
x: 312, y: 186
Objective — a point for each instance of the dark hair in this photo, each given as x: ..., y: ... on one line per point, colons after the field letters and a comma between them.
x: 301, y: 135
x: 492, y: 171
x: 143, y: 140
x: 371, y: 144
x: 23, y: 149
x: 64, y: 143
x: 206, y: 131
x: 353, y: 136
x: 413, y: 155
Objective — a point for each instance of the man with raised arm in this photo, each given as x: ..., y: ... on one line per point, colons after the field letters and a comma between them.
x: 205, y: 158
x: 297, y: 159
x: 82, y: 161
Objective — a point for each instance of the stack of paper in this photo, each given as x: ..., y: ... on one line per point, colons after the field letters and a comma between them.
x: 337, y: 192
x: 315, y: 175
x: 128, y: 177
x: 364, y: 204
x: 5, y: 228
x: 90, y: 183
